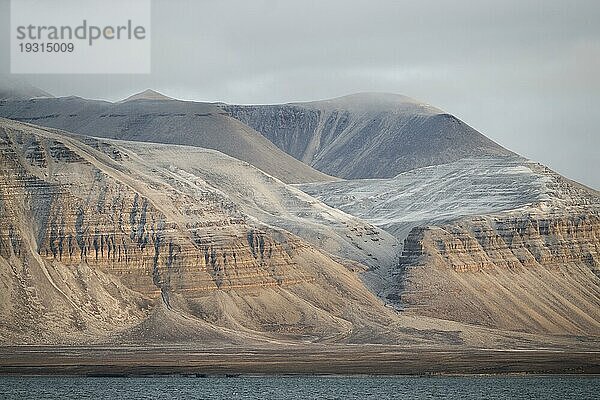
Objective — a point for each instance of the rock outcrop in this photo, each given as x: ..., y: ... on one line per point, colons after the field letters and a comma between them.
x: 537, y: 272
x: 510, y: 241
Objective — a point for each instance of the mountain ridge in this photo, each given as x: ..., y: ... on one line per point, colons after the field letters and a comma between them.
x: 11, y: 89
x: 162, y: 121
x: 366, y: 135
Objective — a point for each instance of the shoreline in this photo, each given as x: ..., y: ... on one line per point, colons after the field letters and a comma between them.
x: 335, y: 361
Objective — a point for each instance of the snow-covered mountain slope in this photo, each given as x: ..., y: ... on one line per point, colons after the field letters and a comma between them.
x: 471, y: 186
x: 147, y: 119
x: 366, y: 135
x: 497, y: 241
x: 268, y: 201
x: 147, y: 94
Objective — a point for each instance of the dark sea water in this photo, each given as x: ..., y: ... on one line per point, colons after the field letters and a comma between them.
x: 293, y: 388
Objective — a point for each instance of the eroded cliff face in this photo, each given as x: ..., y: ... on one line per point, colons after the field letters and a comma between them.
x: 99, y: 221
x: 510, y: 241
x: 40, y: 296
x: 530, y: 271
x: 96, y: 242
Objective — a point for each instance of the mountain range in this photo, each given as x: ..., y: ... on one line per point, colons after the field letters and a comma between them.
x: 367, y: 219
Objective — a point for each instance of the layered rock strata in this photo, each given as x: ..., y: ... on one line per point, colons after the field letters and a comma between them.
x: 95, y: 240
x: 496, y: 241
x: 529, y: 272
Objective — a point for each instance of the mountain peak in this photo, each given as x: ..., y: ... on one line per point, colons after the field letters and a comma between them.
x: 369, y: 101
x: 12, y: 89
x: 147, y: 94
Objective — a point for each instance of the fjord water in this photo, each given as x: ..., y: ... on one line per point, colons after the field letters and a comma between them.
x: 292, y: 388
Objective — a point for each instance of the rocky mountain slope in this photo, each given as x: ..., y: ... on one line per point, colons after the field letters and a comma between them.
x: 366, y: 135
x: 483, y: 236
x: 533, y: 271
x: 144, y: 232
x: 145, y: 119
x: 101, y: 241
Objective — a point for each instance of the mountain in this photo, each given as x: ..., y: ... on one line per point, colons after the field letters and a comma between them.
x: 155, y: 221
x: 103, y: 240
x: 162, y: 121
x: 366, y: 135
x: 112, y: 242
x: 11, y: 89
x: 147, y: 94
x: 496, y: 241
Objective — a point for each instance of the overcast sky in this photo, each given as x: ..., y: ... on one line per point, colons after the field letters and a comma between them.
x: 524, y: 73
